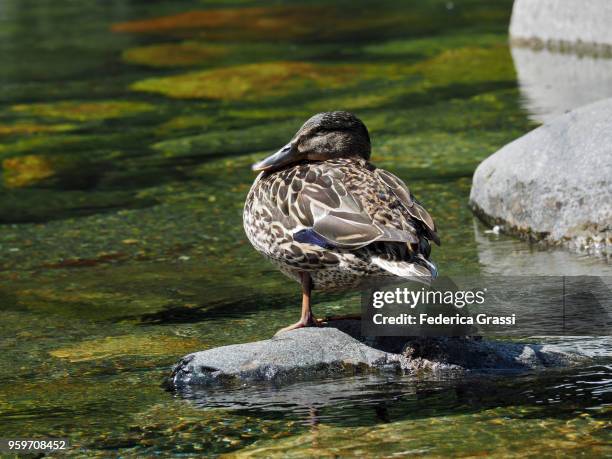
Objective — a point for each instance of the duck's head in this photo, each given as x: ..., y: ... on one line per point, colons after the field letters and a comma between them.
x: 326, y: 135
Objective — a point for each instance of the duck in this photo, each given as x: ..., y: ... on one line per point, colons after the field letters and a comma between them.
x: 332, y: 221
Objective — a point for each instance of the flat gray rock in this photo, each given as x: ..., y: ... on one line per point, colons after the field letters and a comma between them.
x: 554, y: 183
x: 297, y: 355
x: 313, y: 353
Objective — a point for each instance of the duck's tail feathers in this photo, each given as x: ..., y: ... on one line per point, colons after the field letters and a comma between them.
x: 406, y: 269
x: 432, y: 268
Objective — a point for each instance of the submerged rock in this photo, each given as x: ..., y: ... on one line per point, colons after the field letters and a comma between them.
x: 554, y: 183
x: 311, y: 353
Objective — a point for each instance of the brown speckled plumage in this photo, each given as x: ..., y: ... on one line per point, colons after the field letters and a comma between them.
x: 339, y: 218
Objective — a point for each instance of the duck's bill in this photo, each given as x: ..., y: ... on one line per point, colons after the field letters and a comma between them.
x: 282, y: 157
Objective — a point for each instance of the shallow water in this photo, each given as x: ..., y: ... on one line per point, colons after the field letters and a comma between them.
x: 125, y: 145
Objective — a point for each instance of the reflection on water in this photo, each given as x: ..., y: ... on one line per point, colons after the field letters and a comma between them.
x: 125, y: 163
x: 420, y: 418
x: 553, y: 83
x: 370, y: 400
x: 499, y: 254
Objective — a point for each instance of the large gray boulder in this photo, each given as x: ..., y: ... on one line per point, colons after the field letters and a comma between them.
x: 554, y: 183
x: 313, y: 353
x: 562, y: 23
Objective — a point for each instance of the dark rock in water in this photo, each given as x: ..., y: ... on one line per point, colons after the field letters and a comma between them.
x: 312, y: 353
x: 554, y: 183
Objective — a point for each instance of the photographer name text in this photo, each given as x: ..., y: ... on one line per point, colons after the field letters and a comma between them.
x: 442, y: 319
x: 410, y: 299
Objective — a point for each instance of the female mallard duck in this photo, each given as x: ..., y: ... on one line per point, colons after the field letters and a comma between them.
x: 330, y: 219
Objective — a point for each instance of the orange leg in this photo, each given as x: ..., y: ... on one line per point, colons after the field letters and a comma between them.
x: 307, y: 319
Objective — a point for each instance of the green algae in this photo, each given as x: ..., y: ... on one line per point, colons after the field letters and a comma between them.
x: 362, y: 101
x: 497, y: 432
x: 427, y: 81
x: 468, y: 65
x: 32, y: 128
x: 198, y: 123
x: 36, y: 205
x: 314, y: 22
x: 421, y: 47
x: 26, y: 170
x: 187, y: 122
x: 127, y: 345
x: 250, y: 81
x: 291, y: 22
x: 84, y: 111
x: 262, y: 20
x: 256, y: 82
x: 28, y: 144
x: 45, y: 171
x: 204, y: 54
x: 230, y: 142
x: 122, y: 245
x: 183, y: 54
x: 90, y: 300
x: 486, y: 111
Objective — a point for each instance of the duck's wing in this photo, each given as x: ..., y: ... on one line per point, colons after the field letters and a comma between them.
x: 414, y: 208
x: 326, y: 209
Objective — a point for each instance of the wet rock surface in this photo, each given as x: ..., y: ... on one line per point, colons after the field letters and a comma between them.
x: 313, y: 353
x: 554, y: 183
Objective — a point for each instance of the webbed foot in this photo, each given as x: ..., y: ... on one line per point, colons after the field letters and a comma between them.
x: 310, y: 321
